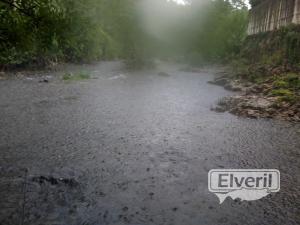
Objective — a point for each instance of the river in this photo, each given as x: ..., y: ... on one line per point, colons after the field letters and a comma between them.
x: 135, y: 148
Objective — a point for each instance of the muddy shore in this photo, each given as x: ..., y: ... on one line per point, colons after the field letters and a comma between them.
x: 254, y: 100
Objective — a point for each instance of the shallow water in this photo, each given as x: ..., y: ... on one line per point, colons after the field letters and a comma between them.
x: 140, y: 146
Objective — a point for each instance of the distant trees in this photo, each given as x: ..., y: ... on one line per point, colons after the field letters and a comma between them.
x: 28, y: 29
x: 35, y: 31
x: 45, y: 31
x: 208, y: 30
x: 221, y: 31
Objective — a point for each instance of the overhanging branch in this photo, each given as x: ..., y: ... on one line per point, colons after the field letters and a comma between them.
x: 21, y: 10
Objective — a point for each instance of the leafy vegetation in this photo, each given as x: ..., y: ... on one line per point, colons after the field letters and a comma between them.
x: 36, y: 32
x: 77, y: 76
x: 273, y: 48
x: 50, y: 31
x: 287, y: 87
x: 222, y: 32
x: 272, y: 59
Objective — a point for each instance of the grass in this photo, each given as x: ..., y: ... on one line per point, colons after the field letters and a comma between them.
x: 259, y: 80
x: 285, y: 95
x: 76, y: 76
x: 280, y: 84
x: 293, y: 80
x: 287, y: 87
x: 282, y: 92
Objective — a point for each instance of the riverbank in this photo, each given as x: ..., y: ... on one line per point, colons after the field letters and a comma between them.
x: 266, y: 75
x: 276, y: 96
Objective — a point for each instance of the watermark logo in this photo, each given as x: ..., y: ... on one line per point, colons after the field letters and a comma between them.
x: 244, y: 184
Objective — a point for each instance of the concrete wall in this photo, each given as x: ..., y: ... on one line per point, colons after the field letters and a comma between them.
x: 270, y: 15
x: 296, y: 18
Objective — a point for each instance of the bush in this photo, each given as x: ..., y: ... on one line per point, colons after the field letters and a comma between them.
x: 77, y: 76
x: 280, y: 84
x: 282, y: 92
x: 275, y: 48
x: 34, y: 32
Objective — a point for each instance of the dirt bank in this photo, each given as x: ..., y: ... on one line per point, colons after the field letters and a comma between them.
x: 272, y: 98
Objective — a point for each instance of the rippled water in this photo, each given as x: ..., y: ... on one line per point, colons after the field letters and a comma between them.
x: 140, y: 146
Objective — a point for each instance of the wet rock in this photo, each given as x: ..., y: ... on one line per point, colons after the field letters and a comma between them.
x: 254, y: 106
x: 42, y: 180
x: 19, y: 75
x: 219, y: 109
x: 227, y: 83
x: 254, y: 101
x: 117, y: 77
x: 55, y: 181
x: 258, y: 103
x: 70, y: 182
x: 255, y: 89
x: 233, y: 86
x: 3, y: 76
x: 252, y: 113
x: 101, y: 194
x: 221, y: 81
x: 44, y: 81
x: 151, y: 194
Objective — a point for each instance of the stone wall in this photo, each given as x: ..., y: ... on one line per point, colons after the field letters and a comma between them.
x: 268, y: 15
x: 296, y: 18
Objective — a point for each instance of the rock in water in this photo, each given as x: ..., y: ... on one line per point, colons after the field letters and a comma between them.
x: 44, y: 81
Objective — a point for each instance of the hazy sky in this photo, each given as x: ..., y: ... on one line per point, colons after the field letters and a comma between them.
x: 180, y: 2
x: 183, y: 2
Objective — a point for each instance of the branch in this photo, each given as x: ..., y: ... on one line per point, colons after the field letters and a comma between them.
x: 23, y: 11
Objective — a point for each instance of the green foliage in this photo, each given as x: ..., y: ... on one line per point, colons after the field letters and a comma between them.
x: 273, y: 48
x: 206, y: 31
x: 222, y: 30
x: 40, y: 32
x: 280, y: 84
x: 290, y: 98
x: 290, y: 81
x: 287, y: 87
x: 281, y: 92
x: 293, y: 80
x: 77, y: 76
x: 258, y: 80
x: 285, y: 95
